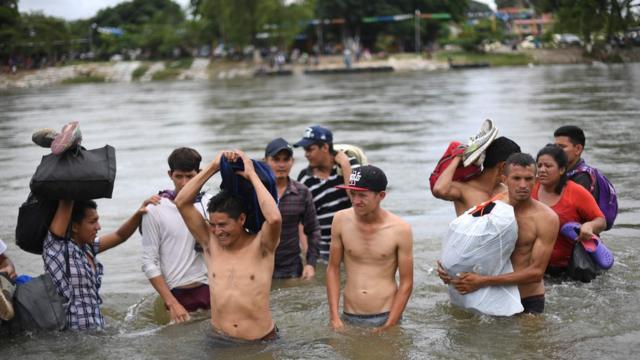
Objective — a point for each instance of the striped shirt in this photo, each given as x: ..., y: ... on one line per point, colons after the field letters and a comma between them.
x: 80, y: 287
x: 328, y: 200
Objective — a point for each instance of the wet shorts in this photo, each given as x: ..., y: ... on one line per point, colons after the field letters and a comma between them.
x: 193, y: 299
x: 533, y: 304
x: 369, y: 320
x: 219, y: 339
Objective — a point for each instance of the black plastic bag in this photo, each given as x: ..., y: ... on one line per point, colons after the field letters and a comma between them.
x: 78, y: 174
x: 38, y: 306
x: 582, y: 267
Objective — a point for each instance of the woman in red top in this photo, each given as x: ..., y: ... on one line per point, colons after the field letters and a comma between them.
x: 569, y: 200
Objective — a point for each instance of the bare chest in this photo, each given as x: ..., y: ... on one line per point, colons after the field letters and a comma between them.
x: 246, y: 268
x: 369, y: 244
x: 526, y: 236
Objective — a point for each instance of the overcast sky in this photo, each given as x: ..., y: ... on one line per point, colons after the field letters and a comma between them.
x: 82, y: 9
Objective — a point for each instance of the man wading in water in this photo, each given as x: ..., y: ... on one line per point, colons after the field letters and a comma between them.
x: 537, y: 231
x: 240, y: 264
x: 374, y: 244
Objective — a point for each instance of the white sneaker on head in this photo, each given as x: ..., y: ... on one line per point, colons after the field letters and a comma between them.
x: 479, y: 143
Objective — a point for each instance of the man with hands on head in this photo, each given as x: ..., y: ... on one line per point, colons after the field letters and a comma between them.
x: 374, y: 244
x: 240, y: 264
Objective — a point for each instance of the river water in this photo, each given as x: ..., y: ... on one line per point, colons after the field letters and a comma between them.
x: 403, y: 121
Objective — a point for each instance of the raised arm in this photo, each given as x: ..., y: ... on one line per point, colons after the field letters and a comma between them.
x: 445, y: 188
x: 196, y: 224
x: 272, y: 225
x: 127, y: 229
x: 62, y: 218
x: 343, y: 161
x: 333, y: 272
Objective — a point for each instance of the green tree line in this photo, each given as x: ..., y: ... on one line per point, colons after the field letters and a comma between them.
x: 161, y: 29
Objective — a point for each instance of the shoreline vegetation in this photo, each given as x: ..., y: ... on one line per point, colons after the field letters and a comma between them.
x: 218, y: 69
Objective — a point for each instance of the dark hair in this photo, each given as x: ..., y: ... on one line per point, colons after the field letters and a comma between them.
x: 574, y: 133
x: 79, y: 209
x: 228, y: 203
x: 518, y: 159
x: 561, y: 160
x: 184, y: 159
x: 499, y: 151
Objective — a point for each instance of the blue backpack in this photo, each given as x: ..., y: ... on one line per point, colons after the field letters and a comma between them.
x: 607, y: 197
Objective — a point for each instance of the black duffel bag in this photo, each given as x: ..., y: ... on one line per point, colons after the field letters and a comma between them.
x: 78, y: 174
x: 38, y: 306
x: 34, y: 218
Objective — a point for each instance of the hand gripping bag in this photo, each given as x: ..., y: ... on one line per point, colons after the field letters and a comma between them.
x: 242, y: 187
x: 76, y: 175
x: 482, y: 240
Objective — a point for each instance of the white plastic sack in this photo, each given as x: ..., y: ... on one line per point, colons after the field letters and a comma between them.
x: 483, y: 245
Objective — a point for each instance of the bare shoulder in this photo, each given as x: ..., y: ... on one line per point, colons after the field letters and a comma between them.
x: 546, y: 222
x: 342, y: 214
x: 500, y: 189
x: 399, y: 225
x: 543, y: 212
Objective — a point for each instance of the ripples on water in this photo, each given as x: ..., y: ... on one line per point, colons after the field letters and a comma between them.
x: 404, y: 122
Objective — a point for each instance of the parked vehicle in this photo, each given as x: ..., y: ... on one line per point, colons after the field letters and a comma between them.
x: 565, y: 40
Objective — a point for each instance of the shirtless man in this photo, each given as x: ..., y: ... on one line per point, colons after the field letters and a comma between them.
x: 240, y: 264
x: 481, y: 188
x: 374, y: 244
x: 537, y: 232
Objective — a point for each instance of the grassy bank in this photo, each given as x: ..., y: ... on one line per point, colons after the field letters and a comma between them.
x: 172, y: 69
x: 165, y: 74
x: 85, y: 79
x: 139, y: 71
x: 181, y: 64
x: 494, y: 59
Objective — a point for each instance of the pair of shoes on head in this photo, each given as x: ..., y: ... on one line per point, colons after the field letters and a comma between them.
x: 6, y: 298
x: 600, y: 254
x: 475, y: 151
x: 69, y: 137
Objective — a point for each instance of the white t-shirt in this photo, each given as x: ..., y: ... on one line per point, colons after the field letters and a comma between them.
x: 168, y: 246
x: 3, y: 247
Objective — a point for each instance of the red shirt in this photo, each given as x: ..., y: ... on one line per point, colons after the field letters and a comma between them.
x: 576, y: 204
